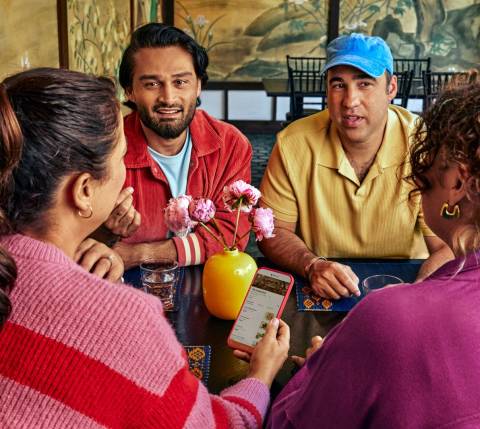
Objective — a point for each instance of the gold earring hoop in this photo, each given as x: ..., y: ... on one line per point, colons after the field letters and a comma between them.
x: 88, y: 216
x: 446, y: 213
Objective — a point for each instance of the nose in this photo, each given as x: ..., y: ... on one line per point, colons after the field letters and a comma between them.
x: 166, y: 94
x: 351, y: 97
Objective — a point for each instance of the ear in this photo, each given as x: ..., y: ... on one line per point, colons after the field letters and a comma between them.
x: 83, y: 189
x: 199, y: 87
x: 458, y: 181
x: 129, y: 94
x: 392, y: 88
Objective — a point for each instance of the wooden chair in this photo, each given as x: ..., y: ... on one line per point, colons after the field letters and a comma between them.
x: 404, y: 85
x: 434, y: 82
x: 417, y: 65
x: 305, y: 80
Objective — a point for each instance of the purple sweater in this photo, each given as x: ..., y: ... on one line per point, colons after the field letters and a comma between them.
x: 405, y: 357
x: 81, y: 352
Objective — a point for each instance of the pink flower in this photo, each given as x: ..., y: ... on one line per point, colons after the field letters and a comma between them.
x: 201, y: 210
x: 177, y: 218
x: 262, y: 223
x: 240, y: 194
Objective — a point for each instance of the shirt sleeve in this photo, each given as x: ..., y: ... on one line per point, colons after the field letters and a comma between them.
x: 337, y: 381
x: 196, y: 247
x: 426, y: 231
x: 276, y: 187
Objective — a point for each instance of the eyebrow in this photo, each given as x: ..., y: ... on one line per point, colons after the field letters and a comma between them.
x: 360, y: 76
x: 156, y: 77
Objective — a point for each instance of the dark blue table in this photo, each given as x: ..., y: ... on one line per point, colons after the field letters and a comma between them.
x: 194, y: 325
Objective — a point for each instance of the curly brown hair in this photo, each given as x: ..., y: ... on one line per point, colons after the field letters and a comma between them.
x: 452, y: 122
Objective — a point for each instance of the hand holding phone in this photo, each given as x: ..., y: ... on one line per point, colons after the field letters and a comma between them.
x: 264, y: 301
x: 271, y: 352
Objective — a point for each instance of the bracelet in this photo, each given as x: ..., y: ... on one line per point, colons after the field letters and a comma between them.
x: 310, y: 264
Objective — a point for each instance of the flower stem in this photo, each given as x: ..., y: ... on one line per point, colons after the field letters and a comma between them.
x: 213, y: 235
x: 243, y: 236
x: 220, y: 232
x: 236, y: 224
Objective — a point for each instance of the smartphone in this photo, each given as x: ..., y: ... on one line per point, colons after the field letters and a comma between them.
x: 265, y: 300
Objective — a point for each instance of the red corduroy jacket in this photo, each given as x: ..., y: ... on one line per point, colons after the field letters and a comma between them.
x: 221, y: 154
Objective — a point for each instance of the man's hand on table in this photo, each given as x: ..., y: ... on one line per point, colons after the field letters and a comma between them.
x: 332, y: 280
x: 317, y: 342
x: 124, y: 219
x: 270, y: 353
x: 100, y: 260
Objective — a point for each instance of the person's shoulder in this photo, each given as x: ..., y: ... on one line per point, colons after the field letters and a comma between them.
x: 387, y: 314
x: 129, y: 121
x: 225, y: 133
x: 407, y: 119
x: 301, y: 128
x: 305, y: 132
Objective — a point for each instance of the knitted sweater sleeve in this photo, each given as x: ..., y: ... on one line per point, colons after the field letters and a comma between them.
x: 79, y: 351
x: 178, y: 399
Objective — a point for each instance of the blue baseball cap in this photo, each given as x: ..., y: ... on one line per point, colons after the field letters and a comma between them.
x: 369, y: 54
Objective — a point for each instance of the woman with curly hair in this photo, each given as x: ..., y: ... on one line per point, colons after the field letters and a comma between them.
x: 407, y: 356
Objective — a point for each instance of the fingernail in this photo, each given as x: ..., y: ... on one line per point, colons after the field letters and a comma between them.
x: 274, y: 322
x: 130, y: 189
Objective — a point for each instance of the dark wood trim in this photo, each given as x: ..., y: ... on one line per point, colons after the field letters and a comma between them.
x: 234, y: 85
x: 225, y: 103
x: 257, y: 127
x: 274, y: 108
x: 333, y: 19
x: 168, y: 12
x: 132, y: 15
x: 62, y: 28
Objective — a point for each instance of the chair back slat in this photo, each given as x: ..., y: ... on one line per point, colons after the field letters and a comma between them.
x: 404, y: 85
x: 305, y: 80
x: 435, y: 82
x: 417, y: 65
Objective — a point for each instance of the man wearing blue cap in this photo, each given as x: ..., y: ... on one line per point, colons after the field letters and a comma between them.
x: 334, y: 179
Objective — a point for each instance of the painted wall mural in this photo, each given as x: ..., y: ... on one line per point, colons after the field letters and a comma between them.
x: 36, y: 45
x: 448, y: 31
x: 98, y: 31
x: 246, y: 39
x: 147, y: 11
x: 249, y: 39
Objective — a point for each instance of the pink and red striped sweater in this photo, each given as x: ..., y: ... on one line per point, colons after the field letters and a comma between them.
x: 81, y: 352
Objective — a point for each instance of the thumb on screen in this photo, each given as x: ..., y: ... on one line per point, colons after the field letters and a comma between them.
x: 272, y: 328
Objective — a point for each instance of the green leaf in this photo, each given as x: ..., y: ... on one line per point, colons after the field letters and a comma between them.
x: 297, y: 25
x: 153, y: 10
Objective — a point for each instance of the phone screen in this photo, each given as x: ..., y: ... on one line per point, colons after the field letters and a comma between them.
x: 262, y: 304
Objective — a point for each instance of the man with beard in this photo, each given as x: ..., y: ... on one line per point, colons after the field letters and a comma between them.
x: 173, y: 149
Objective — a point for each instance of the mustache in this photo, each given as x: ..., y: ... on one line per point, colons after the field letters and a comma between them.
x: 167, y: 106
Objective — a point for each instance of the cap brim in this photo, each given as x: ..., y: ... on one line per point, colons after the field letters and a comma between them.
x: 371, y: 68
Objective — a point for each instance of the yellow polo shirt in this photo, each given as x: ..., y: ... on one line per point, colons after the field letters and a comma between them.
x: 309, y: 181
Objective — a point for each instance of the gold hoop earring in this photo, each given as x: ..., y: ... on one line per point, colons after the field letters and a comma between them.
x: 88, y: 216
x: 447, y: 214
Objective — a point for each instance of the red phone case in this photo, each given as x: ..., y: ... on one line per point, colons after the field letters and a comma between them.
x: 236, y: 345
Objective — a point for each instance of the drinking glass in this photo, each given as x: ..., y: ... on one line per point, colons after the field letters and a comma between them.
x: 159, y: 278
x: 378, y: 281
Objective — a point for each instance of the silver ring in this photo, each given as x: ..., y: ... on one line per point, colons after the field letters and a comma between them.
x: 111, y: 258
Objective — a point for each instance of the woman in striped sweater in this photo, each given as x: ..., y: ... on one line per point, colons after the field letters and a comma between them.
x: 75, y: 349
